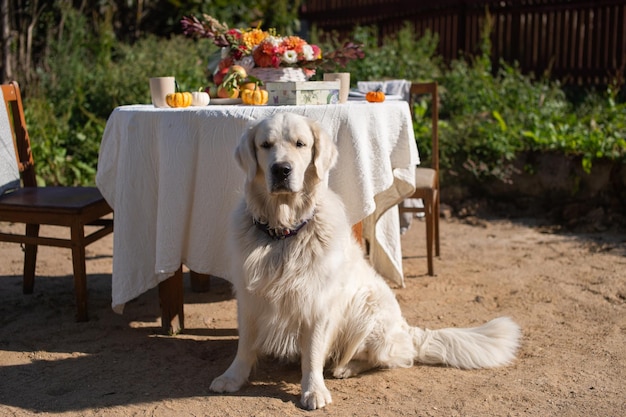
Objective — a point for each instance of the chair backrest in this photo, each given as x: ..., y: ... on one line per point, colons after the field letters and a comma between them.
x: 418, y: 89
x: 22, y: 153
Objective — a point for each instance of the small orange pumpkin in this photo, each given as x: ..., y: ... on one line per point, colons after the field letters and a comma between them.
x: 256, y: 97
x: 375, y: 96
x: 178, y: 99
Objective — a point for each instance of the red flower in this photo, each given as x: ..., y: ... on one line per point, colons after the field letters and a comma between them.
x: 262, y: 59
x: 235, y: 33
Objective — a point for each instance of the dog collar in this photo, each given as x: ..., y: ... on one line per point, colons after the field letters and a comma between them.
x: 279, y: 234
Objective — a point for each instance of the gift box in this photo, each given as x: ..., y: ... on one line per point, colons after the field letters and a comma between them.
x: 303, y: 92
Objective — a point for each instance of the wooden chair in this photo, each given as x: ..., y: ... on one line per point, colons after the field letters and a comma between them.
x: 73, y: 207
x: 427, y: 178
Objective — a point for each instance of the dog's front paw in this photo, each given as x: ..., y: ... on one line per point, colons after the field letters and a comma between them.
x: 351, y: 369
x: 226, y: 383
x: 318, y: 398
x: 343, y: 372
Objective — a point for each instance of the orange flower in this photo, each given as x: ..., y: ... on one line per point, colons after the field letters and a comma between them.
x: 263, y: 59
x: 254, y: 37
x: 293, y: 43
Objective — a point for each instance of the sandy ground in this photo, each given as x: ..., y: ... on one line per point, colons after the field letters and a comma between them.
x: 566, y: 290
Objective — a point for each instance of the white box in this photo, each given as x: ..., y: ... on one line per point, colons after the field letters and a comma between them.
x: 302, y: 92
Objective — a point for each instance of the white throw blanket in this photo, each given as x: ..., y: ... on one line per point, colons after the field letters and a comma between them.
x: 9, y: 172
x: 171, y: 177
x: 402, y: 90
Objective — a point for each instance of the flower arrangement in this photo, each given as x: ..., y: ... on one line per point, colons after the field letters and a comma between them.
x: 275, y: 51
x: 253, y: 47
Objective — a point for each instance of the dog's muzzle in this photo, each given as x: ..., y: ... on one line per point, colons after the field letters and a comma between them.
x: 280, y: 172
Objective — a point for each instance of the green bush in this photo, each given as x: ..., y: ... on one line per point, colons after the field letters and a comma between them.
x: 486, y: 115
x: 402, y: 56
x: 87, y: 76
x: 595, y: 129
x: 485, y: 119
x: 488, y: 120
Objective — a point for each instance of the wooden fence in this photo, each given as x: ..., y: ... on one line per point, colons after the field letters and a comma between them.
x: 582, y: 42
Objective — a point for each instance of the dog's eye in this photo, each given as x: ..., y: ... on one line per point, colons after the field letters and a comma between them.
x: 266, y: 145
x: 300, y: 144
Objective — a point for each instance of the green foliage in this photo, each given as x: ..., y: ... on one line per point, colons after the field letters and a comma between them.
x: 493, y: 118
x: 60, y: 123
x: 597, y: 129
x: 89, y: 74
x: 151, y: 57
x: 402, y: 56
x: 281, y: 15
x: 485, y: 119
x: 422, y: 127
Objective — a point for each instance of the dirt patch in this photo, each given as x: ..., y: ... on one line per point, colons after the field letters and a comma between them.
x: 566, y: 290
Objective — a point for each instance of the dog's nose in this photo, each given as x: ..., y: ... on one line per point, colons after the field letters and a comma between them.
x: 281, y: 170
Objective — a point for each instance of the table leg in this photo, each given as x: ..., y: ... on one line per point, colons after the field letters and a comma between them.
x: 200, y: 282
x: 171, y: 300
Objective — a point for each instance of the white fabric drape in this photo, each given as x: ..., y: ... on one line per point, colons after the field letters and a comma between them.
x: 172, y: 180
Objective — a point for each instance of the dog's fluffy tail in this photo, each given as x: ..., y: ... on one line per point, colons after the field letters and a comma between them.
x: 492, y: 344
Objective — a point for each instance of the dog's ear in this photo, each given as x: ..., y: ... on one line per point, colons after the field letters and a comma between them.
x: 324, y: 151
x: 245, y: 154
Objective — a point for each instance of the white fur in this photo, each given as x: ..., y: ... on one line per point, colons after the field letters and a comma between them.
x: 313, y: 296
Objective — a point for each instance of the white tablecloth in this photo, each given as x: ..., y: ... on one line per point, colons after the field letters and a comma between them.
x: 171, y: 178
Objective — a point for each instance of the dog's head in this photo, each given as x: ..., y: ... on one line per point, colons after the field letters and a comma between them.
x: 286, y: 152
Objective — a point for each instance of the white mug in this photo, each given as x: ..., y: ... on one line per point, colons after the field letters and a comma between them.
x: 161, y: 87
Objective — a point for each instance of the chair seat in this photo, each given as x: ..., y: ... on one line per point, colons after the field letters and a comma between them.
x: 425, y: 178
x: 66, y: 199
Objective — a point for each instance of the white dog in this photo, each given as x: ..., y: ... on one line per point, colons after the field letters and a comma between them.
x: 304, y: 289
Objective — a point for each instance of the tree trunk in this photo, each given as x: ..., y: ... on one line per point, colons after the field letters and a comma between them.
x: 5, y: 41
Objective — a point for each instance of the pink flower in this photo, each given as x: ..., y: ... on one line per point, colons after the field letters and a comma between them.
x: 317, y: 52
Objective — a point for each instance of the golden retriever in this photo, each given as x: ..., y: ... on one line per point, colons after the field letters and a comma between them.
x: 304, y: 288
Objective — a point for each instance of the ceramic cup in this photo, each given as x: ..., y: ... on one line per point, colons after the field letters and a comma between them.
x: 344, y: 82
x: 159, y: 88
